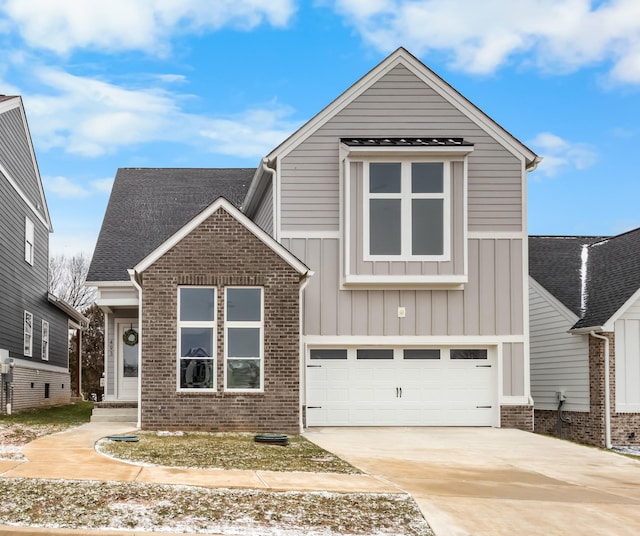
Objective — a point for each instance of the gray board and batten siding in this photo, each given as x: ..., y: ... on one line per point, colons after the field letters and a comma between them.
x: 398, y: 105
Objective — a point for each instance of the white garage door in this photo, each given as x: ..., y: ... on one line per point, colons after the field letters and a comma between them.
x: 401, y: 387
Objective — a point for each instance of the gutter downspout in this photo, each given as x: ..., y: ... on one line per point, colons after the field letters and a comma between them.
x: 302, y: 359
x: 274, y: 209
x: 134, y: 279
x: 607, y: 391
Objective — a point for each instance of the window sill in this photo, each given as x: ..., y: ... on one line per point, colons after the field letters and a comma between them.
x: 436, y: 282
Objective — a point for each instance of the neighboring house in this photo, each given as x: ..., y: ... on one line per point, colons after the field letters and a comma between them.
x: 34, y: 324
x: 584, y: 290
x: 407, y: 202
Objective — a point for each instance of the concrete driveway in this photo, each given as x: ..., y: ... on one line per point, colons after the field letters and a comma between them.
x: 476, y: 481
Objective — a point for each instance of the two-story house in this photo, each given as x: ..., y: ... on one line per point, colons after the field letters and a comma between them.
x: 34, y: 324
x: 376, y: 273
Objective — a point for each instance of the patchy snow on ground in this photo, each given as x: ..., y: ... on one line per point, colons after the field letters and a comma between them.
x: 627, y: 450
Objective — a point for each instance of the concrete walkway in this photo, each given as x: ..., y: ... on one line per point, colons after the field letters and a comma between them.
x: 72, y: 455
x: 498, y: 482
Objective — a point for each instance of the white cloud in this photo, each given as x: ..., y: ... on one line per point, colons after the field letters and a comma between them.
x: 559, y: 154
x: 480, y: 37
x: 91, y: 118
x: 66, y: 188
x: 115, y: 25
x: 63, y: 187
x: 103, y: 185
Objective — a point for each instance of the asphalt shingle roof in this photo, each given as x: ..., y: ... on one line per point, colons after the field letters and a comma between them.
x: 405, y: 142
x: 611, y: 275
x: 149, y: 205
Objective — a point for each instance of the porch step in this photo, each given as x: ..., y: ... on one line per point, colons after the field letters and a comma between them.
x: 114, y: 414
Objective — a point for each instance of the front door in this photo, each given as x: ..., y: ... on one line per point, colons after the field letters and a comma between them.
x: 127, y: 361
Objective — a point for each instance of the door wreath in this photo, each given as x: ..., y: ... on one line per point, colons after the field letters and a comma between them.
x: 130, y: 337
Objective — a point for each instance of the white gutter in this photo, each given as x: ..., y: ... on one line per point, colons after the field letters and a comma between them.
x: 133, y: 275
x: 607, y: 391
x: 302, y: 356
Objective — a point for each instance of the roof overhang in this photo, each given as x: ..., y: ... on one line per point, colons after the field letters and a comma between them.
x: 79, y: 319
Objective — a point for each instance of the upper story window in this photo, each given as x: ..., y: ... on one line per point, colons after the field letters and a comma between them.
x: 28, y: 334
x: 406, y: 210
x: 244, y: 339
x: 45, y: 340
x: 196, y: 338
x: 29, y: 241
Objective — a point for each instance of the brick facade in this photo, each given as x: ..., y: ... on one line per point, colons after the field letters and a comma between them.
x: 588, y: 426
x: 221, y: 252
x: 520, y: 417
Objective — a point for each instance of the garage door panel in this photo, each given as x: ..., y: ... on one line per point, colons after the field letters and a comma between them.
x: 402, y: 392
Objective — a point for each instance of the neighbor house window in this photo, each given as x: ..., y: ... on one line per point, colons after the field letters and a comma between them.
x: 28, y: 334
x: 196, y: 338
x: 45, y: 340
x: 243, y: 345
x: 406, y: 210
x: 28, y: 240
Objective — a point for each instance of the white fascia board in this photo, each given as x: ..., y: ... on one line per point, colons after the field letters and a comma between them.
x: 107, y: 284
x: 554, y: 302
x: 24, y: 197
x: 609, y: 325
x: 46, y: 219
x: 249, y: 202
x: 404, y: 58
x: 113, y: 303
x: 222, y: 203
x: 35, y: 365
x: 442, y: 282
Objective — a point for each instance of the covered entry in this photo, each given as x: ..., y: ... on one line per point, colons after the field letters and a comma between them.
x: 401, y: 387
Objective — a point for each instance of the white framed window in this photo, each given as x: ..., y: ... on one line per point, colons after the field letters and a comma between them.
x: 196, y: 339
x: 244, y: 339
x: 28, y: 334
x: 29, y: 240
x: 406, y: 210
x: 45, y: 340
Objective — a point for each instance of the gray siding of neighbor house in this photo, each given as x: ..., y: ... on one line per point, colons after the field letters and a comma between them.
x: 559, y: 360
x: 490, y: 304
x: 264, y: 213
x: 24, y: 287
x: 16, y: 157
x: 399, y: 104
x: 453, y: 267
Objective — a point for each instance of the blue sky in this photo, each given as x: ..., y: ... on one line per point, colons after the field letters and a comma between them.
x: 155, y: 83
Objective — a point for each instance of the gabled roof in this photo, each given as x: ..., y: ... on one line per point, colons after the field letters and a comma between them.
x: 222, y: 204
x: 594, y: 277
x: 149, y: 205
x: 400, y: 57
x: 18, y: 162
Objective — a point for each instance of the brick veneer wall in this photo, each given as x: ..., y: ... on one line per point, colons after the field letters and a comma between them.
x: 221, y: 252
x: 520, y: 417
x: 29, y: 389
x: 588, y: 426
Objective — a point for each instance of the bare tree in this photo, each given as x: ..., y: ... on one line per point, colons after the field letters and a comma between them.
x: 67, y: 276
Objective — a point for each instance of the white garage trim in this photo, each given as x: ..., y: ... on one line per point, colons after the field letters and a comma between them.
x: 382, y: 385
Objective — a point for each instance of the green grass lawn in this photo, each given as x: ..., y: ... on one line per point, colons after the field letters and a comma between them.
x: 226, y: 451
x: 70, y: 415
